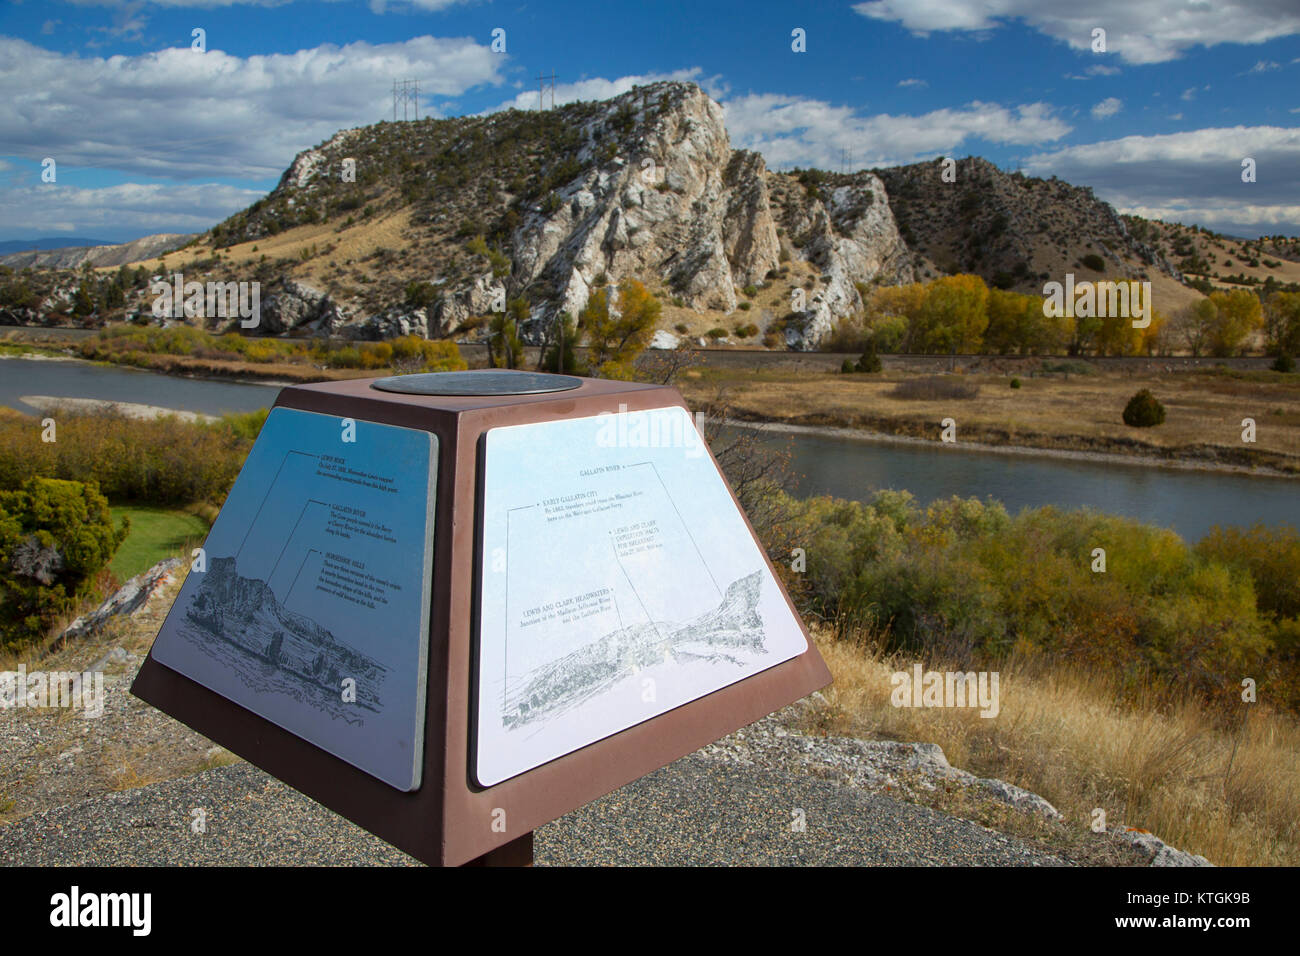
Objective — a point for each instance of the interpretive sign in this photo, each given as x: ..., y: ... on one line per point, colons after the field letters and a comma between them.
x: 310, y: 603
x: 455, y: 606
x: 619, y: 581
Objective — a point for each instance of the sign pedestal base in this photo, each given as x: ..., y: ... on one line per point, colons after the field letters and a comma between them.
x: 517, y: 852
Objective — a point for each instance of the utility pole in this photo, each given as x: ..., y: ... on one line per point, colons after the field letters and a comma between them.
x: 552, y: 89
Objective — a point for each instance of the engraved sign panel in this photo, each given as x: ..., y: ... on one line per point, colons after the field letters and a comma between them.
x: 311, y: 605
x: 618, y: 581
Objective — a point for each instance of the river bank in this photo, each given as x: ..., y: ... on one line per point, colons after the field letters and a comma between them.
x: 1233, y: 421
x: 1052, y: 416
x: 867, y: 436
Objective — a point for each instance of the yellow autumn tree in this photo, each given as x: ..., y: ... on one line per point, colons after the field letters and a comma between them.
x: 955, y: 315
x: 615, y: 338
x: 1238, y: 315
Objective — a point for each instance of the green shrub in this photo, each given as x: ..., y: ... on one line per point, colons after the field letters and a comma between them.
x: 55, y: 538
x: 420, y: 295
x: 1143, y: 410
x: 870, y: 361
x: 1015, y: 383
x: 716, y: 333
x: 1094, y: 262
x: 1283, y: 363
x: 847, y: 367
x: 962, y: 580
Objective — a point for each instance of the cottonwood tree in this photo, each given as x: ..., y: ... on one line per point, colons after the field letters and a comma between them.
x: 1239, y: 315
x: 615, y: 337
x: 1282, y: 323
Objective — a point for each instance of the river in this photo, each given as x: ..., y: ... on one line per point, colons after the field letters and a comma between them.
x: 1190, y: 502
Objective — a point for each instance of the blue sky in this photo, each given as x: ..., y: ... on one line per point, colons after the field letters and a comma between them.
x: 150, y: 135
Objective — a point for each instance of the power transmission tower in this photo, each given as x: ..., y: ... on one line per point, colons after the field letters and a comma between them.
x: 408, y: 92
x: 541, y: 91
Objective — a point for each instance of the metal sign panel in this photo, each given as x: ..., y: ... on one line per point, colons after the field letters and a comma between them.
x: 310, y: 604
x: 618, y: 581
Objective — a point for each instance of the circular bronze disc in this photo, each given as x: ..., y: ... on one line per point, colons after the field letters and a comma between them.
x: 483, y: 382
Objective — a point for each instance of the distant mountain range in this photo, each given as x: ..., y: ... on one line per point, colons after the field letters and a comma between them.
x: 50, y: 242
x: 73, y: 253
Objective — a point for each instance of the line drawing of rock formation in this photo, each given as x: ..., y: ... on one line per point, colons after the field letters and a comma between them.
x: 732, y: 632
x: 240, y: 622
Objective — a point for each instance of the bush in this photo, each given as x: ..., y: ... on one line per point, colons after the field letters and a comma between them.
x: 55, y: 538
x: 1143, y: 410
x: 1015, y: 383
x: 420, y: 295
x: 163, y: 461
x: 746, y: 331
x: 870, y: 361
x: 1094, y: 262
x: 716, y: 333
x: 847, y: 367
x: 962, y: 580
x: 1284, y: 363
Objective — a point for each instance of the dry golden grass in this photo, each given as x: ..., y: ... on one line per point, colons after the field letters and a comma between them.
x: 1158, y: 763
x: 1084, y: 412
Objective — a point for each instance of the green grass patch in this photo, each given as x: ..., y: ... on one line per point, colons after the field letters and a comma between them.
x: 156, y: 533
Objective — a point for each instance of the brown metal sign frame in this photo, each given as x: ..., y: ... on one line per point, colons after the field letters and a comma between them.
x: 451, y: 820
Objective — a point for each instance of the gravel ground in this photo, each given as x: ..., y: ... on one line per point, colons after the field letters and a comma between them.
x: 696, y: 811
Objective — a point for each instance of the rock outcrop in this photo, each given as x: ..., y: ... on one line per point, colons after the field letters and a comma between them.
x: 647, y: 186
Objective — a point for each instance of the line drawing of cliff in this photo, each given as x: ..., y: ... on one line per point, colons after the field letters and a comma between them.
x: 240, y: 623
x: 732, y: 632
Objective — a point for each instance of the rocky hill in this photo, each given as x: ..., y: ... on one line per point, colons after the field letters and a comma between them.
x: 550, y: 205
x: 1015, y: 230
x: 422, y: 227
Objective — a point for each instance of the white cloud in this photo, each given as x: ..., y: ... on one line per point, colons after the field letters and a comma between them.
x: 130, y: 207
x: 1264, y: 66
x: 913, y: 81
x: 1194, y: 176
x: 790, y: 130
x: 1140, y: 31
x: 180, y: 114
x: 1107, y: 108
x: 1100, y: 69
x: 599, y: 88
